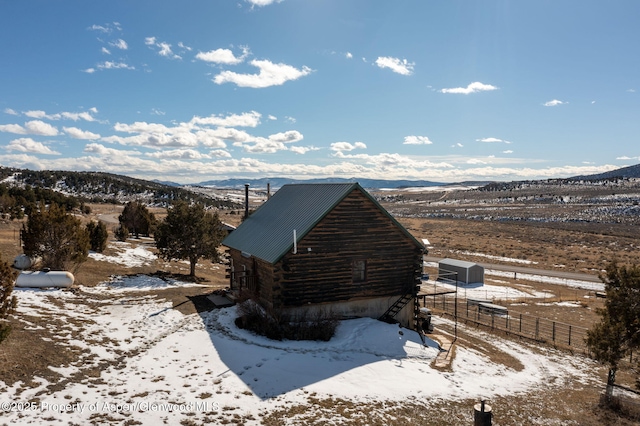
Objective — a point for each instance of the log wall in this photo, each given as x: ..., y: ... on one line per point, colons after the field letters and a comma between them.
x: 355, y: 229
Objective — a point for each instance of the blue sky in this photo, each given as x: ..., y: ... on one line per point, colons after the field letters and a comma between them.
x: 411, y: 89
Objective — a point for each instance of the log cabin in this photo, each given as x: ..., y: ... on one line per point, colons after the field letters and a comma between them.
x: 329, y: 247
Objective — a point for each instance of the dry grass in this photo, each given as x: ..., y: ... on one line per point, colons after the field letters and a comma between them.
x: 28, y: 353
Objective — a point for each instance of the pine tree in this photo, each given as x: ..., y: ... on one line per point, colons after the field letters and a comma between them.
x: 189, y: 232
x: 8, y: 302
x: 98, y: 236
x: 618, y: 332
x: 137, y: 219
x: 58, y: 238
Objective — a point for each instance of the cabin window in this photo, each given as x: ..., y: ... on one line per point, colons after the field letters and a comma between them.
x: 359, y: 268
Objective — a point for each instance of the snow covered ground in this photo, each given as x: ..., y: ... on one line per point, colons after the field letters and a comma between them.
x: 156, y: 365
x: 126, y: 255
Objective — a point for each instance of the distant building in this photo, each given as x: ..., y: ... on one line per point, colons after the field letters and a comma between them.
x: 330, y: 247
x: 464, y: 272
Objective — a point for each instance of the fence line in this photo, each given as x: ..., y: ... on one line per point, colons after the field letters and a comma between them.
x: 539, y: 329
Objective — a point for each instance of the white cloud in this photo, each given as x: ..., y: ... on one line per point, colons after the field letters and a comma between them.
x: 262, y: 3
x: 346, y: 146
x: 89, y: 70
x: 39, y: 114
x: 264, y: 146
x: 231, y: 134
x: 10, y: 111
x: 287, y: 137
x: 631, y: 90
x: 417, y: 140
x: 348, y: 55
x: 474, y: 87
x: 400, y: 66
x: 246, y: 119
x: 626, y: 158
x: 13, y: 128
x: 110, y: 65
x: 457, y: 145
x: 107, y: 29
x: 475, y: 161
x: 219, y: 153
x: 492, y: 140
x: 270, y: 75
x: 141, y: 127
x: 223, y: 56
x: 302, y: 149
x: 272, y: 117
x: 106, y: 51
x: 182, y: 154
x: 164, y: 49
x: 154, y: 135
x: 554, y: 102
x: 181, y: 45
x: 29, y: 145
x: 75, y: 116
x: 96, y: 148
x: 37, y: 127
x: 209, y: 138
x: 289, y: 119
x: 76, y: 133
x: 120, y: 44
x: 508, y: 151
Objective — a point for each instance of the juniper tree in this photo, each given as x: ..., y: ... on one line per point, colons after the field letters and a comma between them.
x: 189, y: 232
x: 58, y: 238
x: 8, y: 302
x: 618, y: 332
x: 137, y: 219
x: 98, y: 236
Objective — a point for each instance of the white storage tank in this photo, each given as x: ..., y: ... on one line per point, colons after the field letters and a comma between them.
x: 45, y: 279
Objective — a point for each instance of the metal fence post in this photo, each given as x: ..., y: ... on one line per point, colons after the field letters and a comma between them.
x: 520, y: 329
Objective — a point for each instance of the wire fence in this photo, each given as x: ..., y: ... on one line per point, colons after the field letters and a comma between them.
x: 486, y: 314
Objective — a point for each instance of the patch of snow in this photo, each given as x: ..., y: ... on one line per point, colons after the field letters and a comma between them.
x: 127, y: 255
x: 499, y: 258
x: 586, y: 285
x: 564, y: 304
x: 487, y: 291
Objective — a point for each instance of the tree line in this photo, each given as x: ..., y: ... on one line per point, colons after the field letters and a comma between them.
x: 105, y: 187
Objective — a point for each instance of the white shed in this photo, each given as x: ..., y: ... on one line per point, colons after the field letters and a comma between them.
x: 467, y: 272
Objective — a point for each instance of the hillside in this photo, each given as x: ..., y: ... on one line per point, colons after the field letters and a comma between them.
x: 105, y: 187
x: 625, y: 172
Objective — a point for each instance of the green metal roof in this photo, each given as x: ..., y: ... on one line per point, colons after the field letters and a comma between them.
x: 268, y: 233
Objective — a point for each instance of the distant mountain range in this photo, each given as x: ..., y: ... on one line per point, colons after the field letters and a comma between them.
x: 96, y: 186
x: 280, y: 181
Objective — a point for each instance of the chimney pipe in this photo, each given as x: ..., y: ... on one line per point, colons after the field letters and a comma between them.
x: 268, y: 190
x: 246, y: 200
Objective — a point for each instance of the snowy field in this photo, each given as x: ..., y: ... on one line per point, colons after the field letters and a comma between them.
x: 143, y: 361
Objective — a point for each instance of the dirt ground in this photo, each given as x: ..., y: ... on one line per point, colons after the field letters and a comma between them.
x: 28, y: 353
